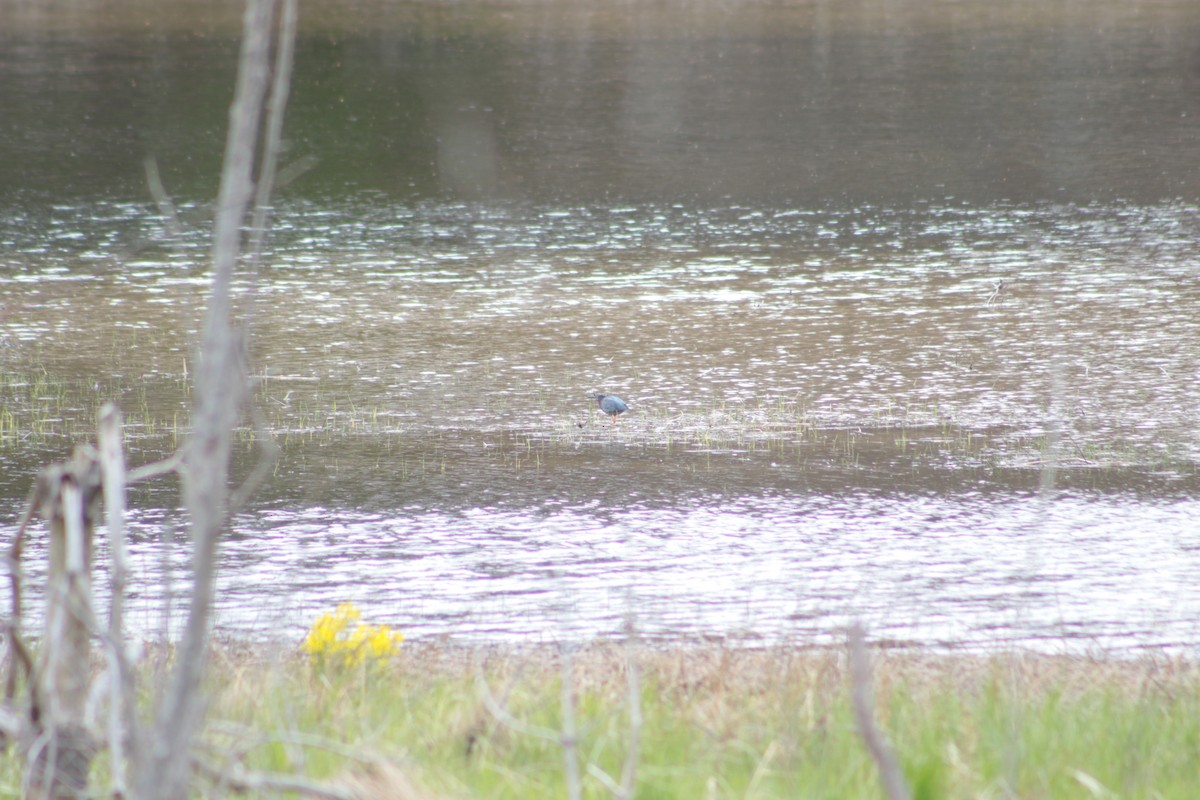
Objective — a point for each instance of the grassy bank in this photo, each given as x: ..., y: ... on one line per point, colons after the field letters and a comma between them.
x: 717, y: 723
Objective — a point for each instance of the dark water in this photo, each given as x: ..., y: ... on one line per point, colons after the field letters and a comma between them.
x: 905, y: 305
x: 815, y: 104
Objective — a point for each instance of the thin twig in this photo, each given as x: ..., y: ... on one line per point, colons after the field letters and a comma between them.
x: 260, y: 739
x: 239, y: 780
x: 508, y: 720
x: 163, y: 200
x: 634, y: 681
x: 16, y: 580
x: 570, y: 731
x: 269, y: 454
x: 624, y: 789
x: 995, y: 292
x: 606, y: 779
x: 276, y: 105
x: 155, y: 469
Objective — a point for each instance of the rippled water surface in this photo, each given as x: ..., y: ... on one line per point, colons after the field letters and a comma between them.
x: 960, y: 403
x: 834, y: 414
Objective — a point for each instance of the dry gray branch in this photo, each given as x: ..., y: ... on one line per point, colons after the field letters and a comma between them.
x: 166, y: 207
x: 16, y: 582
x: 624, y: 789
x: 219, y: 388
x: 570, y: 732
x: 122, y: 706
x: 241, y: 780
x: 268, y: 454
x: 506, y: 719
x: 305, y: 740
x: 155, y: 469
x: 890, y: 774
x: 60, y: 748
x: 567, y: 738
x: 276, y: 105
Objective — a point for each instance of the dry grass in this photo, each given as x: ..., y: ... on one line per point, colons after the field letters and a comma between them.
x: 721, y: 722
x: 718, y: 722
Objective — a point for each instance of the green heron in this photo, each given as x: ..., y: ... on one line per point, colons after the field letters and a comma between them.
x: 611, y: 404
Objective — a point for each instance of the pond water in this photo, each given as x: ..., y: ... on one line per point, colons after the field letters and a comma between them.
x: 906, y: 309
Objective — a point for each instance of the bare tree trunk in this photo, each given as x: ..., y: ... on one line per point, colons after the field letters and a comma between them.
x: 219, y: 392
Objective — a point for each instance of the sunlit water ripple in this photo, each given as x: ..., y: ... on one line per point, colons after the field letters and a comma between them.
x: 1073, y: 573
x: 441, y: 355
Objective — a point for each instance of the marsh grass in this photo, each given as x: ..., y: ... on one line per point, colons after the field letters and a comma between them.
x: 40, y: 410
x: 718, y: 723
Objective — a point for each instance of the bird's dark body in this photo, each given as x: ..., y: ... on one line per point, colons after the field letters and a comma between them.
x: 611, y: 404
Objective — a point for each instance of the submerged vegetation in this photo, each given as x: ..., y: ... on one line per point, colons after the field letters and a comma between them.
x: 46, y: 413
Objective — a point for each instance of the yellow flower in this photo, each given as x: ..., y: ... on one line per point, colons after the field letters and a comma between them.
x: 342, y: 638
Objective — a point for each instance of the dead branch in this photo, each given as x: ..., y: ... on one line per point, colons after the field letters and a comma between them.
x: 276, y: 104
x: 166, y: 207
x: 567, y: 738
x: 16, y: 579
x: 219, y: 387
x: 890, y: 774
x: 155, y: 469
x: 570, y: 731
x: 299, y: 739
x: 238, y: 779
x: 506, y: 719
x: 624, y: 789
x: 60, y: 748
x: 268, y: 455
x: 122, y: 711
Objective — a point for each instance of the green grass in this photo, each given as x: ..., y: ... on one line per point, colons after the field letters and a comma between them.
x: 724, y: 723
x: 719, y: 723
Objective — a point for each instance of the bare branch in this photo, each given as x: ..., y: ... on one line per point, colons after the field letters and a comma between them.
x: 220, y: 382
x: 508, y: 720
x: 122, y: 714
x: 58, y: 762
x: 239, y: 780
x: 634, y: 681
x: 16, y: 580
x: 276, y: 104
x: 159, y: 192
x: 112, y: 475
x: 570, y: 734
x: 156, y: 469
x: 10, y: 725
x: 624, y: 789
x: 262, y: 468
x: 294, y: 738
x: 890, y: 774
x: 606, y: 779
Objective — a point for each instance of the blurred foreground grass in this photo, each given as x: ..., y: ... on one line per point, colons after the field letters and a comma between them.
x: 718, y: 723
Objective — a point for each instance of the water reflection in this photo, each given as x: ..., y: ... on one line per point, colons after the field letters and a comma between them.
x: 763, y: 104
